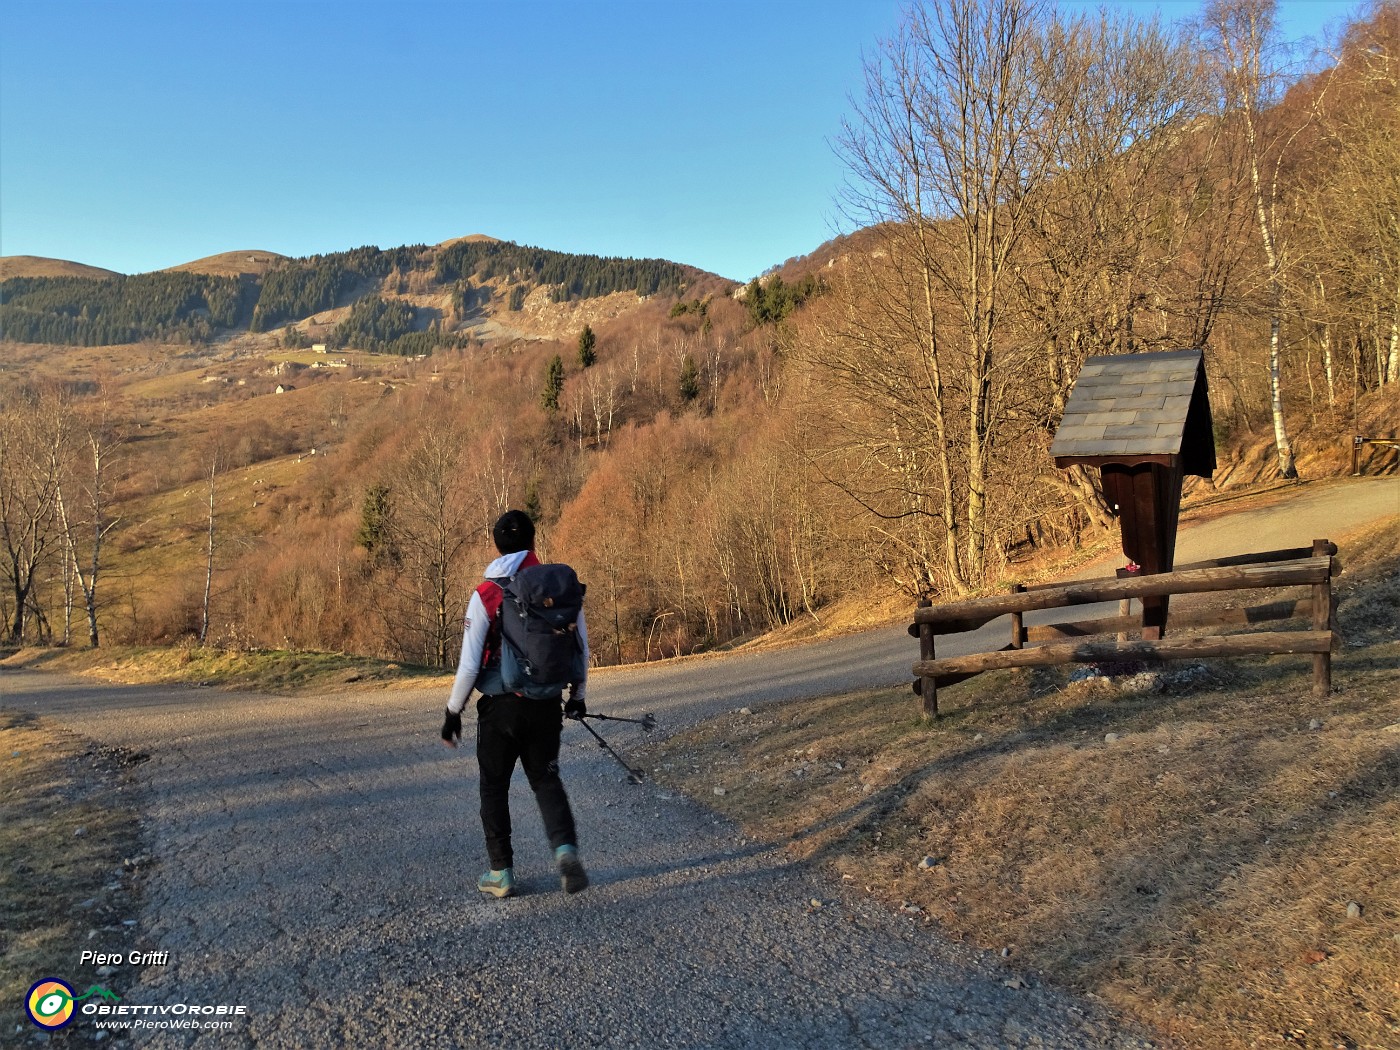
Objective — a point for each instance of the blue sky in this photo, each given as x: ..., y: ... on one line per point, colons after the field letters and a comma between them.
x: 137, y: 135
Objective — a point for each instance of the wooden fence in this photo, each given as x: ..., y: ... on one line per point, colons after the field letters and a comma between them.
x: 1311, y: 567
x: 1358, y: 441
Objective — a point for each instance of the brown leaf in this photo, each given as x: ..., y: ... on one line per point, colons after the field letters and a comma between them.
x: 1314, y: 957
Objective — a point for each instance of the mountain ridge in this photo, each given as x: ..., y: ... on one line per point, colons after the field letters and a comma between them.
x: 12, y: 266
x: 235, y: 262
x: 406, y: 300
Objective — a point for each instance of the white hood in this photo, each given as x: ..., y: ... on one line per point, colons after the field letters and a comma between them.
x: 505, y: 565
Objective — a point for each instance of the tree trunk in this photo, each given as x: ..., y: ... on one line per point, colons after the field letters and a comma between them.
x: 209, y: 562
x: 1327, y: 365
x: 1286, y: 466
x: 1392, y: 364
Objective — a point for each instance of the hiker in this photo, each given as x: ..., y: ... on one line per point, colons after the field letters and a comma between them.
x: 523, y: 722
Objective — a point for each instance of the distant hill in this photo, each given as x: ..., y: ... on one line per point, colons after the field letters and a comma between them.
x: 471, y: 238
x: 37, y: 266
x: 409, y: 300
x: 230, y: 264
x: 828, y: 254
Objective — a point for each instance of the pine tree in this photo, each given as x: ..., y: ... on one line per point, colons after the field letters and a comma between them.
x: 586, y: 343
x: 373, y: 533
x: 553, y: 383
x: 690, y: 379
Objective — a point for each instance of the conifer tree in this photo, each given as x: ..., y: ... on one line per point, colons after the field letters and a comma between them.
x: 586, y: 343
x: 690, y: 379
x: 553, y: 384
x: 373, y: 533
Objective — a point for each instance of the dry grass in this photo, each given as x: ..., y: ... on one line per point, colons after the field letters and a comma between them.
x: 70, y: 858
x: 39, y: 266
x: 230, y: 264
x: 263, y: 670
x: 1196, y: 870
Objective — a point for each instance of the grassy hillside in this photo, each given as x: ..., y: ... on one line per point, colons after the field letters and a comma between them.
x: 231, y: 264
x: 35, y: 266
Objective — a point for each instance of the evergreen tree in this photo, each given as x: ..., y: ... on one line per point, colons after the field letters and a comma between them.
x: 586, y: 343
x: 553, y: 384
x: 690, y: 379
x: 373, y: 533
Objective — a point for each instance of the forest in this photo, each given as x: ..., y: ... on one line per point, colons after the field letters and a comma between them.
x: 181, y: 307
x: 868, y: 421
x: 568, y: 276
x: 81, y: 311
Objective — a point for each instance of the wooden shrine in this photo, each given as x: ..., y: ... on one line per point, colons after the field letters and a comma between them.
x: 1144, y: 421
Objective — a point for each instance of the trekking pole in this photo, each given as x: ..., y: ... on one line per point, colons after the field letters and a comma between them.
x: 647, y: 722
x: 633, y: 775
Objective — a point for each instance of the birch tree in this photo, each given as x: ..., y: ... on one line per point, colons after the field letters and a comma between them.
x: 1243, y: 34
x: 89, y: 521
x: 211, y: 536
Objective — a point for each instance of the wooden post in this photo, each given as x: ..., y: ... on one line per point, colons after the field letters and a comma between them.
x: 928, y: 687
x: 1356, y: 454
x: 1018, y: 620
x: 1322, y: 621
x: 1125, y: 606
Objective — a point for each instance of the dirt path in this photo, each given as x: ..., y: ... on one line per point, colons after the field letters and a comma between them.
x: 317, y: 862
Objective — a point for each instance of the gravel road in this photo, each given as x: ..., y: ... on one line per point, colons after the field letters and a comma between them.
x: 317, y: 857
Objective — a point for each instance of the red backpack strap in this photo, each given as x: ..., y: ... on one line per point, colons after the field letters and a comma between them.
x: 491, y: 597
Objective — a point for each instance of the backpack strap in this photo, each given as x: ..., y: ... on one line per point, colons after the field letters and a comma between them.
x: 492, y: 594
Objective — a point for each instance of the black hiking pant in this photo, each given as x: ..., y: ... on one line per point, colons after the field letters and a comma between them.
x: 510, y: 728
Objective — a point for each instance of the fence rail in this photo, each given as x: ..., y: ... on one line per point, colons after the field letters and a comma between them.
x: 1392, y: 443
x: 1311, y: 567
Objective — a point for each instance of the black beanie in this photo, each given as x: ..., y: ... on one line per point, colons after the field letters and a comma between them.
x: 513, y: 531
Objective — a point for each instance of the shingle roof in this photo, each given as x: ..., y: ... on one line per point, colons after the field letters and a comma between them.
x: 1126, y: 405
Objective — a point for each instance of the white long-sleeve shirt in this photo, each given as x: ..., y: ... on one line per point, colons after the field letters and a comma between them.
x: 478, y: 627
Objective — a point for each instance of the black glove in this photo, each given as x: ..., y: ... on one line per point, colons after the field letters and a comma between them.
x: 452, y: 728
x: 574, y: 707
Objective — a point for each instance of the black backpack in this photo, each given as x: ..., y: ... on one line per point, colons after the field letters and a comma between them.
x: 541, y: 652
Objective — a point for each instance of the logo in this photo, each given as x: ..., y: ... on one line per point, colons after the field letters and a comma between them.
x: 50, y: 1002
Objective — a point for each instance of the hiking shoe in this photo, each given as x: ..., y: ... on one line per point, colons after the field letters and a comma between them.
x: 498, y: 883
x: 571, y: 874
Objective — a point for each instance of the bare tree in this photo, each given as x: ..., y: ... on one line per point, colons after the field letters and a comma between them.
x: 1117, y: 224
x: 99, y: 444
x: 215, y: 455
x: 31, y: 440
x: 1244, y: 35
x: 945, y: 154
x: 446, y: 494
x: 1353, y: 218
x: 431, y: 535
